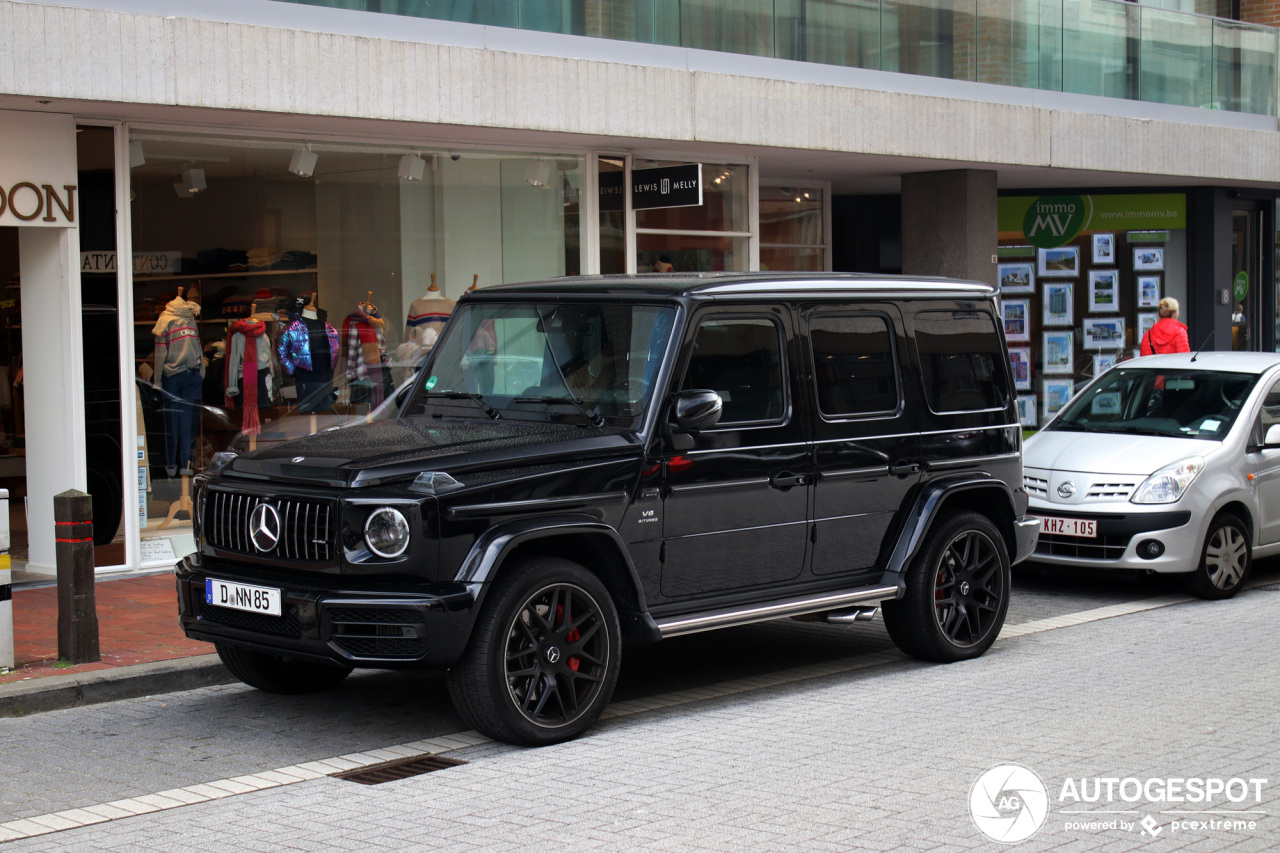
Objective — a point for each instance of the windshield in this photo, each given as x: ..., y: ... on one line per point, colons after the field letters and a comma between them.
x: 1150, y: 401
x: 548, y: 361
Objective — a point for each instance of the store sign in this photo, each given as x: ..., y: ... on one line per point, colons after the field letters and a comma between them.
x: 144, y: 263
x: 1240, y: 287
x: 665, y: 186
x: 37, y: 169
x: 1050, y: 221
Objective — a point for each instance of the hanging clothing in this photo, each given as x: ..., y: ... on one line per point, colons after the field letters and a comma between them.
x: 366, y: 353
x: 308, y: 351
x: 248, y: 354
x: 177, y: 337
x: 427, y: 319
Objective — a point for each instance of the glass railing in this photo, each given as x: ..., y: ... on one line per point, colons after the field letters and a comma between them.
x: 1091, y: 47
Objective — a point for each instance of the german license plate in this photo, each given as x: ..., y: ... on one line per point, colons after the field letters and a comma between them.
x: 240, y: 596
x: 1083, y: 527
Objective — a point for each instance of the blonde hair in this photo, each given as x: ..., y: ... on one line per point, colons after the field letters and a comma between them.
x: 1168, y: 307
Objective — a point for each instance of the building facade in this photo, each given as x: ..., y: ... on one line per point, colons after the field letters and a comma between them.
x: 223, y: 225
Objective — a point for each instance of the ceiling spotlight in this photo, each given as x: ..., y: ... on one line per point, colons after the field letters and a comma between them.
x: 411, y: 167
x: 537, y: 173
x: 136, y: 155
x: 303, y: 163
x: 193, y: 178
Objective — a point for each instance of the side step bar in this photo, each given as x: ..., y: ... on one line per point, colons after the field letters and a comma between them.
x: 678, y: 625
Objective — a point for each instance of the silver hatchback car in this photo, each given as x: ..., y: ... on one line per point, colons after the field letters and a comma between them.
x: 1169, y: 463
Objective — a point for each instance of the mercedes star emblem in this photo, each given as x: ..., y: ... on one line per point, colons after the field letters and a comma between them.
x: 1066, y: 490
x: 298, y: 459
x: 553, y: 655
x: 264, y: 527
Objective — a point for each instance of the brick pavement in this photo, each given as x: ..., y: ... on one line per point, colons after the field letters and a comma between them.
x: 137, y: 623
x: 877, y: 758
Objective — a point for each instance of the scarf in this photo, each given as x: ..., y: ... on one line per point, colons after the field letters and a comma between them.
x: 252, y: 331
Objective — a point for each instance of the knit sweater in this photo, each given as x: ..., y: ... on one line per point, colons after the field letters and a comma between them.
x: 177, y: 337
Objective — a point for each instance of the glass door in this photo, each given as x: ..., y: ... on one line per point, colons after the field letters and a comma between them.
x: 1246, y: 279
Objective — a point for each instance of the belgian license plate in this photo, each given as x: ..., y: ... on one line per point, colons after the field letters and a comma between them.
x: 241, y: 596
x: 1083, y: 527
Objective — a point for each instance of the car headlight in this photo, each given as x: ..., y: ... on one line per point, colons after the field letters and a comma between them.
x: 387, y: 532
x: 1168, y: 484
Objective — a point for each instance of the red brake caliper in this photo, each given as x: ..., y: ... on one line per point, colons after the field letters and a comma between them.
x: 571, y: 637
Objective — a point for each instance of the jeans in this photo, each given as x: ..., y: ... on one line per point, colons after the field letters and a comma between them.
x: 181, y: 419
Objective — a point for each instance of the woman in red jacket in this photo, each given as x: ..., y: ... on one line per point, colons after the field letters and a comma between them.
x: 1167, y: 335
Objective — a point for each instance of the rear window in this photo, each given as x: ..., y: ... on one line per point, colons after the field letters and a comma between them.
x: 961, y: 361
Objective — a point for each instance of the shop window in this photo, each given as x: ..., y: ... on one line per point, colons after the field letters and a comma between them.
x: 712, y: 236
x: 282, y: 288
x: 793, y: 228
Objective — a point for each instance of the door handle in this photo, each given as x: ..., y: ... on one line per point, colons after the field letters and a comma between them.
x: 902, y: 469
x: 786, y: 481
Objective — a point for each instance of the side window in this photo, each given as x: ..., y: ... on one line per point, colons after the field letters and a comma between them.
x: 741, y: 360
x: 854, y: 365
x: 1271, y: 409
x: 961, y: 361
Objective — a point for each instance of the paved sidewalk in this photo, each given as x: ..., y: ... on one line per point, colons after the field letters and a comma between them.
x: 142, y: 649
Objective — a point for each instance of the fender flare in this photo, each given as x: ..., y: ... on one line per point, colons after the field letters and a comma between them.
x: 487, y: 555
x: 928, y: 504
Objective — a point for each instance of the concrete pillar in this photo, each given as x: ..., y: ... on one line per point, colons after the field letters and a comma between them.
x: 949, y: 224
x: 52, y: 380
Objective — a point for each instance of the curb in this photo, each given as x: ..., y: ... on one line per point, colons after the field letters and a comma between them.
x: 55, y: 692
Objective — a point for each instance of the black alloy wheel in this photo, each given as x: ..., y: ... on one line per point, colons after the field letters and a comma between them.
x: 544, y: 655
x: 957, y: 592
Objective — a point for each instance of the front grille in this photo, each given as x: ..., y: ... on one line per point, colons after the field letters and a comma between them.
x: 1105, y: 547
x: 1112, y: 490
x: 287, y: 625
x: 375, y: 615
x: 1036, y: 486
x: 307, y: 527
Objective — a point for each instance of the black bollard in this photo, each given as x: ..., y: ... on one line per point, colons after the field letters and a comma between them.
x: 77, y: 604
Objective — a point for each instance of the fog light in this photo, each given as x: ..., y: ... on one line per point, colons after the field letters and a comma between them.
x: 1149, y: 549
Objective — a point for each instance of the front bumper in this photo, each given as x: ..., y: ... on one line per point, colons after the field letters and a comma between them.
x: 383, y: 628
x: 1026, y: 530
x: 1119, y: 536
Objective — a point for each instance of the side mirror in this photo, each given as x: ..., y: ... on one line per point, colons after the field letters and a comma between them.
x: 696, y: 410
x: 1272, y: 438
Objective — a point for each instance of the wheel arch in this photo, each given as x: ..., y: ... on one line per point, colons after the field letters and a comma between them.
x: 591, y: 543
x: 983, y: 494
x: 1240, y: 510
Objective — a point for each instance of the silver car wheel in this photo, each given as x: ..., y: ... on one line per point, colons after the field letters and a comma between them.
x: 1226, y: 557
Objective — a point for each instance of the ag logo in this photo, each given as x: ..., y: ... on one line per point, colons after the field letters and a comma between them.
x: 1054, y: 220
x: 1008, y: 803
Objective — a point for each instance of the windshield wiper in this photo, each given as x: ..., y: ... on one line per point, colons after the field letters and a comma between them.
x: 468, y: 395
x: 595, y: 417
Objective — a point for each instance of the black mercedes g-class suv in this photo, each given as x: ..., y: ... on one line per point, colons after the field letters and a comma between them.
x: 593, y: 459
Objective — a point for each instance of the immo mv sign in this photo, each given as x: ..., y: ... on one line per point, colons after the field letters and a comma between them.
x: 1055, y: 220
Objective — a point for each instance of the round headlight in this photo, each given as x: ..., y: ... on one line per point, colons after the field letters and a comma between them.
x: 387, y: 532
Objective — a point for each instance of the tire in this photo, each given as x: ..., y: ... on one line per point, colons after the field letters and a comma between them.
x: 274, y: 674
x: 1225, y: 560
x: 957, y: 592
x: 543, y: 657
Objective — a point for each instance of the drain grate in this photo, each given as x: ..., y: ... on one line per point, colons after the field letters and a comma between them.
x: 401, y: 769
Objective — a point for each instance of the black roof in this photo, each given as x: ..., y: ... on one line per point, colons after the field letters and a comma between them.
x: 745, y: 283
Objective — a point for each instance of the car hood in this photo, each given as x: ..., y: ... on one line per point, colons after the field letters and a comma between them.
x: 401, y: 449
x: 1108, y: 453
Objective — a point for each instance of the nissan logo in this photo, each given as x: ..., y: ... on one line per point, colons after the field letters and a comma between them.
x: 264, y: 527
x: 1066, y: 490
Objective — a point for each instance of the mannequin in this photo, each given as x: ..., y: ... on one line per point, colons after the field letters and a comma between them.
x: 179, y: 374
x: 179, y: 370
x: 308, y: 351
x: 427, y: 318
x: 366, y: 352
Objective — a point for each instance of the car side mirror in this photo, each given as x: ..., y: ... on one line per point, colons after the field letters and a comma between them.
x: 1272, y: 438
x: 696, y: 410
